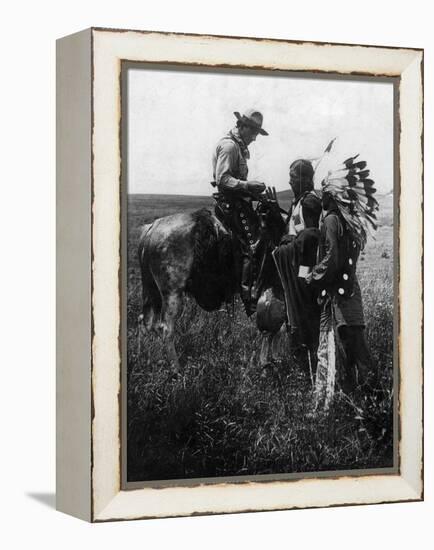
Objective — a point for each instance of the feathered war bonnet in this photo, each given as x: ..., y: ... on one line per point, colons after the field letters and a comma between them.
x: 353, y: 192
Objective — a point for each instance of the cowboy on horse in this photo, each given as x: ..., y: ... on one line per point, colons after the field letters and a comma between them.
x: 235, y: 198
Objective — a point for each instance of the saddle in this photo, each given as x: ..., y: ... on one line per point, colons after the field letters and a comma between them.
x: 251, y: 242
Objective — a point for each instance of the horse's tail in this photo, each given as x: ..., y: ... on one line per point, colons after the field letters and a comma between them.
x: 151, y: 304
x: 143, y: 240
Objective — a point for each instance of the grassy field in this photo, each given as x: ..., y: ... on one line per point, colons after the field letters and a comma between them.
x: 221, y: 415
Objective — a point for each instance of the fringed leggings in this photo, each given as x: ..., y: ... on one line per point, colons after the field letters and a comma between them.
x: 343, y: 356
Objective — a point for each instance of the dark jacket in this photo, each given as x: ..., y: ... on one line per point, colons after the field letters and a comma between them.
x: 335, y: 272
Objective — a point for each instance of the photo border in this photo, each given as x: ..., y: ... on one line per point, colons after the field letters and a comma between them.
x: 258, y: 478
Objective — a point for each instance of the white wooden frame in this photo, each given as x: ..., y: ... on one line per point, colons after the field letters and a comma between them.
x: 88, y: 310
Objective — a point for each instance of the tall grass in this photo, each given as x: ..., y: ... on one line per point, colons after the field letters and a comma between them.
x: 223, y: 415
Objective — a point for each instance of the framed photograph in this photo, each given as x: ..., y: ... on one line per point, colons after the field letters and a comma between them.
x: 239, y: 274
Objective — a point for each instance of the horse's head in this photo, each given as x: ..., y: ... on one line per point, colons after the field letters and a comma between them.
x: 271, y: 221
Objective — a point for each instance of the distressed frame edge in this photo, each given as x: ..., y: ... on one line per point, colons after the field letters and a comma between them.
x: 415, y: 492
x: 253, y: 38
x: 110, y: 513
x: 412, y: 162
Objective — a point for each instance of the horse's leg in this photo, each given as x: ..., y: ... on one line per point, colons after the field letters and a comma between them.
x: 152, y: 302
x: 270, y: 316
x: 171, y: 276
x: 151, y: 297
x: 275, y: 343
x: 265, y: 348
x: 171, y: 302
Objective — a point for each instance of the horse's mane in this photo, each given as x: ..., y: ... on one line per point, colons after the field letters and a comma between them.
x: 204, y: 234
x: 213, y: 277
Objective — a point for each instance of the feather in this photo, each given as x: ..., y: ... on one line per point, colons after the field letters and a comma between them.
x: 363, y: 191
x: 368, y: 182
x: 339, y: 173
x: 353, y: 191
x: 329, y: 146
x: 358, y: 196
x: 343, y: 182
x: 352, y: 194
x: 363, y: 174
x: 321, y: 165
x: 350, y: 160
x: 372, y: 205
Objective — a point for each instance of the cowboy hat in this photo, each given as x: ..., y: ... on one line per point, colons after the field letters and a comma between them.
x: 253, y: 119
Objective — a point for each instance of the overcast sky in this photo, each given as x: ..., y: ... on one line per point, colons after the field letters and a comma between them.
x: 175, y: 119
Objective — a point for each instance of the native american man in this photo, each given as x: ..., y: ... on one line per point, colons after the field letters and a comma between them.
x: 295, y: 257
x: 348, y: 214
x: 306, y: 207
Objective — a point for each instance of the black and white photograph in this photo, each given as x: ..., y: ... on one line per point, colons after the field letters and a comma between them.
x: 259, y: 271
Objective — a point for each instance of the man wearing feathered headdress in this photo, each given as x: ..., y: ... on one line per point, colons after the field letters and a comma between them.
x: 348, y: 216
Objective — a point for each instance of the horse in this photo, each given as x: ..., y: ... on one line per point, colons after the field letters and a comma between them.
x: 195, y: 254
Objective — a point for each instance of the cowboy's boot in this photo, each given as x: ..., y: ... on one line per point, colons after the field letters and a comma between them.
x: 246, y: 285
x: 258, y: 257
